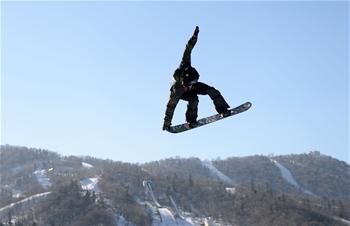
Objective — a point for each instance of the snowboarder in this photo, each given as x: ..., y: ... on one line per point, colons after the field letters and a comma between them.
x: 186, y: 87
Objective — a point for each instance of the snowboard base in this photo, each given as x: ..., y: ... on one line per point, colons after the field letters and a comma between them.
x: 204, y: 121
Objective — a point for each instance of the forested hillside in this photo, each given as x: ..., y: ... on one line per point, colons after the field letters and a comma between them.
x: 40, y: 187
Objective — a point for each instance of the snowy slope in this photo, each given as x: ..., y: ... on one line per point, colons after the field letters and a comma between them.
x: 217, y: 172
x: 147, y: 184
x: 232, y: 191
x: 22, y: 205
x: 163, y: 216
x: 87, y: 165
x: 167, y: 217
x: 178, y: 213
x: 287, y: 175
x: 221, y: 176
x: 342, y: 220
x: 42, y: 178
x: 90, y: 184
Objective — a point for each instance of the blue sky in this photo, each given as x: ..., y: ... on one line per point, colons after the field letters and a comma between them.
x: 93, y: 78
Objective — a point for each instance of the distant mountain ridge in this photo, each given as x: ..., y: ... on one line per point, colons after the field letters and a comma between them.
x: 256, y: 190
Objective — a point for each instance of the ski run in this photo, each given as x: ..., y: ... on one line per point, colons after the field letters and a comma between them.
x: 23, y: 204
x: 287, y: 175
x: 90, y: 184
x: 43, y: 180
x: 217, y: 173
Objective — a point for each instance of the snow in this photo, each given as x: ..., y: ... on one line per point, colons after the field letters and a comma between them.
x: 42, y: 178
x: 148, y: 186
x: 87, y: 165
x: 287, y: 175
x: 167, y: 217
x: 186, y: 222
x: 23, y: 201
x: 90, y: 184
x: 16, y: 193
x: 232, y: 191
x: 217, y: 172
x: 175, y: 207
x: 344, y: 221
x: 162, y: 216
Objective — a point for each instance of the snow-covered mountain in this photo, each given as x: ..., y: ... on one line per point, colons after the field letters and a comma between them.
x: 45, y: 188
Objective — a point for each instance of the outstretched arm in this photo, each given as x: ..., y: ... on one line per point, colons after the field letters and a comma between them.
x: 186, y: 59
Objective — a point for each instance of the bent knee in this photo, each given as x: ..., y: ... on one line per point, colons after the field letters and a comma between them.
x: 213, y: 93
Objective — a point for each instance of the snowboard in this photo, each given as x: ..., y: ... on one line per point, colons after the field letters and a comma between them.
x: 204, y: 121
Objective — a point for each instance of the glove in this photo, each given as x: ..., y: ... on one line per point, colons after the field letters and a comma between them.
x: 166, y: 125
x: 196, y: 31
x: 187, y: 87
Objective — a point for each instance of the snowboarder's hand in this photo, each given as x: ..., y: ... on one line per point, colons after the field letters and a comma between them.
x: 196, y: 31
x: 166, y: 125
x: 187, y: 88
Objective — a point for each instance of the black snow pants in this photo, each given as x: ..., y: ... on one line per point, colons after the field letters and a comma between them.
x: 179, y: 92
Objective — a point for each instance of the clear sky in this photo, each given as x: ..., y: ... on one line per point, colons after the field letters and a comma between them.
x: 93, y: 78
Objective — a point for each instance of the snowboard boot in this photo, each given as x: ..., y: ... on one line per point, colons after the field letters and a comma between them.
x: 166, y: 125
x: 192, y: 124
x: 224, y: 111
